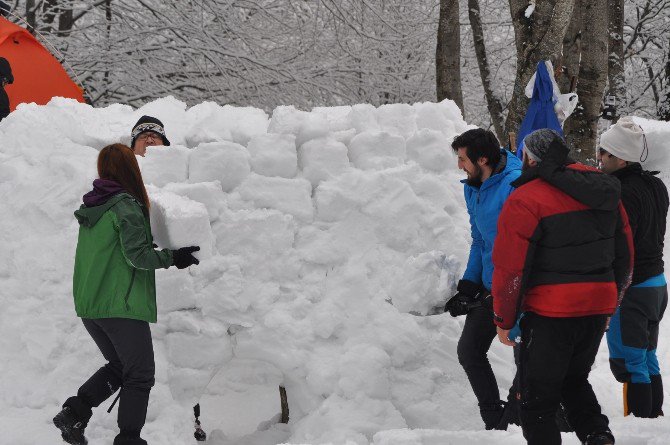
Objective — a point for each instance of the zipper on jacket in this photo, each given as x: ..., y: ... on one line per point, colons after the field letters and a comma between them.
x: 132, y: 280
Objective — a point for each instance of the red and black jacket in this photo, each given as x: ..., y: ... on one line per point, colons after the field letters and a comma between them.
x: 564, y: 246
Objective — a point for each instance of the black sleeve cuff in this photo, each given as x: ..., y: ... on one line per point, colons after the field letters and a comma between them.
x: 468, y: 287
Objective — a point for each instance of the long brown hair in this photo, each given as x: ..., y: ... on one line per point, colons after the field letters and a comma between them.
x: 118, y: 163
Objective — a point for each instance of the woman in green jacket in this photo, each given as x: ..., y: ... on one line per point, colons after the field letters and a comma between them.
x: 115, y: 295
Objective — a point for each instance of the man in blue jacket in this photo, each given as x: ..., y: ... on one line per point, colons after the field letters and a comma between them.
x: 490, y: 172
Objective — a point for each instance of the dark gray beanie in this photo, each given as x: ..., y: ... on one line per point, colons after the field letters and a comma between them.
x: 537, y: 143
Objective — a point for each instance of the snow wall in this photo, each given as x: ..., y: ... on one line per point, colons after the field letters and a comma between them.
x: 325, y: 236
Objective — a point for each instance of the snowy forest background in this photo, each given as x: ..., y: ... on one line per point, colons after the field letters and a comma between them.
x: 265, y: 53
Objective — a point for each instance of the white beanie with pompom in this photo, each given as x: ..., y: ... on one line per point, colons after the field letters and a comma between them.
x: 625, y: 140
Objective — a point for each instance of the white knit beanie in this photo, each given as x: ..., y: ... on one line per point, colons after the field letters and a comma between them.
x: 625, y: 140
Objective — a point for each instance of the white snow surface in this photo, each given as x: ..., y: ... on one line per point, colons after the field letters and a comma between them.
x: 315, y: 279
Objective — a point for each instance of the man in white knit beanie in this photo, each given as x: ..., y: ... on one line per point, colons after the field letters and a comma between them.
x: 633, y: 334
x: 624, y: 141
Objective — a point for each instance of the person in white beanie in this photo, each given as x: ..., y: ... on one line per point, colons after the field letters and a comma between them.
x: 633, y: 333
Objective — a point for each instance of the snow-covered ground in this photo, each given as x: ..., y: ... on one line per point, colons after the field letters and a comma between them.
x: 326, y: 237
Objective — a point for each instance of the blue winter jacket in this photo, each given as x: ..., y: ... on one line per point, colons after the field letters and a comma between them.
x: 484, y: 205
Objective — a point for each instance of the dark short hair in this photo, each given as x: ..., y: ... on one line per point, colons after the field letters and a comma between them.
x: 478, y: 143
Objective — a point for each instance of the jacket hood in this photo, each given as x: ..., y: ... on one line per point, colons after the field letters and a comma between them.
x: 585, y: 184
x: 103, y: 191
x: 89, y: 216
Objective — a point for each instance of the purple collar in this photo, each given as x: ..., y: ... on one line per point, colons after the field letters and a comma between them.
x: 103, y: 191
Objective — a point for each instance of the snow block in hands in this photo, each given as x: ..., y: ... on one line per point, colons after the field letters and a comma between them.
x: 177, y: 222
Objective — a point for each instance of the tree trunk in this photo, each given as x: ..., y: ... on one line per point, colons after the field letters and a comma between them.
x: 31, y: 15
x: 572, y: 48
x: 49, y: 11
x: 65, y: 21
x: 582, y: 127
x: 448, y: 54
x: 664, y: 109
x: 538, y: 37
x: 615, y: 73
x: 108, y: 18
x: 493, y: 102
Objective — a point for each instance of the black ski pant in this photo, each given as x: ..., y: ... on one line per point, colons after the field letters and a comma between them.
x: 556, y: 355
x: 473, y: 346
x: 127, y: 346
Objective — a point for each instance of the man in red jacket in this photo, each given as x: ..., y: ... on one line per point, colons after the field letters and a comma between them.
x: 562, y: 260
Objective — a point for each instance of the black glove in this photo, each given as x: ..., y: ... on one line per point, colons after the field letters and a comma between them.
x: 461, y: 303
x: 182, y: 258
x: 457, y: 305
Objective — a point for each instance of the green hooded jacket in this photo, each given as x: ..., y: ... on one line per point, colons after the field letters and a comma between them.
x: 115, y: 261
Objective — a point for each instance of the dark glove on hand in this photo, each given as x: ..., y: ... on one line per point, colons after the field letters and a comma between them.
x: 182, y: 258
x: 458, y: 304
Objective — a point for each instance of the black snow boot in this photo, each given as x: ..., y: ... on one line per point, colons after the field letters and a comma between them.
x: 637, y: 399
x: 600, y: 438
x: 129, y: 438
x: 492, y: 414
x: 72, y: 421
x: 656, y: 396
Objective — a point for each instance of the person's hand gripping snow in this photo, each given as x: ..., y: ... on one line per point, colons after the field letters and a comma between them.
x: 183, y: 257
x: 462, y: 302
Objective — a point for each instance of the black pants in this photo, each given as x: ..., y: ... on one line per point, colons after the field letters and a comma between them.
x: 556, y: 355
x: 127, y: 346
x: 473, y: 346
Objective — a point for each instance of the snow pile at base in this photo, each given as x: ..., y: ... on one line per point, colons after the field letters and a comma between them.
x: 324, y: 235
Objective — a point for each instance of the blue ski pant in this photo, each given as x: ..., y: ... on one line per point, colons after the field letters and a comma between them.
x: 633, y: 334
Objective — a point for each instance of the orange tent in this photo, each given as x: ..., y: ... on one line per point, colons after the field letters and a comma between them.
x: 38, y: 76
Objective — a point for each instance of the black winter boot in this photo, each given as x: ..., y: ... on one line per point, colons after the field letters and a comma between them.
x: 656, y: 396
x: 492, y: 414
x: 72, y: 421
x: 129, y: 438
x: 600, y: 438
x: 637, y: 399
